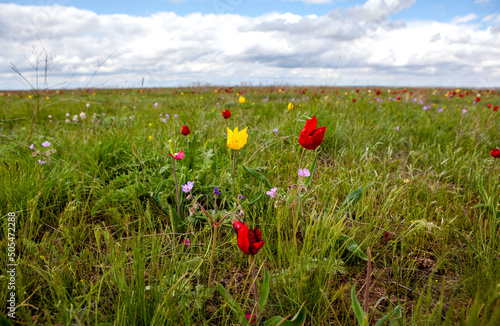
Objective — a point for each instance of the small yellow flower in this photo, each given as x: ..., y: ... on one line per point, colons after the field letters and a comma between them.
x: 290, y: 106
x: 150, y: 137
x: 46, y: 97
x: 241, y: 100
x: 150, y: 124
x: 29, y: 96
x: 236, y: 139
x: 216, y: 91
x: 406, y: 180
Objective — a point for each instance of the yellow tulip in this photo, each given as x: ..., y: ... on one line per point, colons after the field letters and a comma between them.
x: 241, y: 100
x: 236, y: 139
x: 290, y: 106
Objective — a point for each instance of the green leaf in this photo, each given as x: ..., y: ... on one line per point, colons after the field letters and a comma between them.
x: 4, y: 321
x: 354, y: 197
x: 309, y: 178
x: 257, y: 175
x: 235, y: 307
x: 356, y: 307
x: 264, y: 291
x: 396, y: 313
x: 352, y: 246
x: 488, y: 208
x: 297, y: 320
x: 178, y: 225
x: 258, y: 195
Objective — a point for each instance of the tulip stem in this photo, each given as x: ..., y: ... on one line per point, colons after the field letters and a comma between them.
x: 212, y: 254
x: 234, y: 167
x: 176, y: 190
x: 255, y: 288
x: 301, y: 157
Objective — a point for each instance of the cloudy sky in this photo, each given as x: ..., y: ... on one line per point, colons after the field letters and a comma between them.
x: 96, y: 43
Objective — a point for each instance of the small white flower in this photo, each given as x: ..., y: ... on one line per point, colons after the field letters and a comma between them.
x: 82, y: 115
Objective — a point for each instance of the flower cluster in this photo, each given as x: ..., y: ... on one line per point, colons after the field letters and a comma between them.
x: 44, y: 155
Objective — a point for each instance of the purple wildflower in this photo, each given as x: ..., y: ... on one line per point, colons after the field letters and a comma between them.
x: 304, y: 173
x: 271, y: 192
x: 188, y: 186
x: 187, y: 242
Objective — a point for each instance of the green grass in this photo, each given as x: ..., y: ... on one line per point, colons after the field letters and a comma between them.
x: 98, y: 239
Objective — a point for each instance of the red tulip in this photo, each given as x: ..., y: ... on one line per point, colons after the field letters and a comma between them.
x: 310, y: 137
x: 496, y: 153
x: 185, y: 130
x: 495, y: 108
x: 489, y: 106
x: 478, y: 99
x: 226, y: 114
x: 249, y: 240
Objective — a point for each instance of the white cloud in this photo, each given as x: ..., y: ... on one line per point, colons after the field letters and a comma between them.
x: 378, y: 10
x: 463, y: 19
x: 493, y: 18
x: 339, y: 48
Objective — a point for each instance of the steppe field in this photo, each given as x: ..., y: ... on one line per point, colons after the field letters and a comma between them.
x: 148, y: 207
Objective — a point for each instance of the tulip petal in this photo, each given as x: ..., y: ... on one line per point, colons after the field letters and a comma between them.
x: 243, y: 240
x: 237, y: 225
